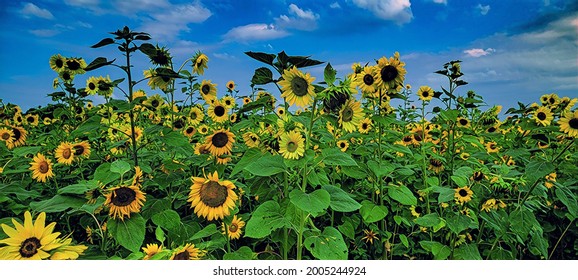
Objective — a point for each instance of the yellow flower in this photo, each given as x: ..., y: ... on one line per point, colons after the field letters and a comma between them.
x: 64, y: 153
x: 212, y: 198
x: 550, y: 179
x: 350, y: 115
x: 187, y: 252
x: 543, y: 116
x: 463, y: 194
x: 425, y: 93
x: 208, y: 91
x: 124, y: 200
x: 234, y: 229
x: 569, y: 123
x: 220, y: 142
x: 292, y: 145
x: 41, y: 168
x: 297, y: 87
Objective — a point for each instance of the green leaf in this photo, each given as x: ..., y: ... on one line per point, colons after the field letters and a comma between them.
x: 153, y: 206
x: 58, y: 203
x: 402, y: 194
x: 206, y: 232
x: 266, y: 218
x: 24, y: 151
x: 501, y: 254
x: 460, y: 181
x: 467, y: 252
x: 457, y: 223
x: 372, y: 213
x: 538, y: 169
x: 497, y: 220
x: 429, y: 220
x: 340, y: 200
x: 129, y: 233
x: 249, y: 157
x: 89, y: 126
x: 79, y: 188
x: 262, y: 76
x: 568, y: 199
x: 329, y: 74
x: 380, y: 170
x: 160, y: 234
x: 334, y: 156
x: 404, y: 241
x: 103, y: 42
x: 347, y: 229
x: 538, y: 244
x: 445, y: 194
x: 97, y: 63
x: 440, y: 251
x: 263, y: 57
x: 244, y: 253
x: 327, y: 246
x: 267, y: 165
x: 315, y: 203
x: 148, y: 49
x: 103, y: 174
x: 303, y: 61
x: 168, y: 219
x: 522, y: 221
x: 120, y: 167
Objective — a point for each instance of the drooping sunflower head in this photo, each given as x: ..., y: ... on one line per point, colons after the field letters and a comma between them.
x: 208, y: 91
x: 297, y: 87
x: 200, y: 63
x: 220, y: 142
x: 251, y: 139
x: 212, y: 198
x: 65, y: 153
x: 234, y: 229
x: 350, y: 115
x: 161, y: 56
x: 41, y: 168
x: 124, y: 200
x: 436, y: 165
x: 187, y: 252
x: 463, y: 194
x: 292, y: 145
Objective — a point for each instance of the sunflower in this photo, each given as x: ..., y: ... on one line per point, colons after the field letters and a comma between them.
x: 75, y: 65
x: 343, y: 145
x: 543, y: 116
x: 370, y: 235
x: 81, y: 149
x: 365, y: 80
x: 151, y: 249
x: 196, y: 115
x: 154, y: 102
x: 200, y: 62
x: 41, y: 168
x: 280, y: 111
x: 231, y: 86
x: 91, y: 85
x: 425, y: 93
x: 189, y: 131
x: 138, y: 178
x: 492, y: 147
x: 187, y: 252
x: 251, y: 139
x: 218, y: 112
x: 233, y: 118
x: 464, y: 156
x: 66, y: 76
x: 105, y: 86
x: 416, y: 211
x: 297, y: 87
x: 208, y: 91
x: 29, y: 241
x: 364, y: 126
x: 203, y: 129
x: 31, y: 119
x: 57, y: 62
x: 64, y: 153
x: 201, y: 149
x: 234, y: 229
x: 229, y: 101
x: 490, y: 205
x: 436, y: 165
x: 350, y: 115
x: 155, y: 80
x: 66, y: 251
x: 246, y: 100
x: 390, y: 73
x: 220, y: 142
x: 292, y: 145
x: 550, y: 180
x: 161, y: 57
x: 123, y: 200
x: 569, y: 123
x: 212, y: 199
x: 463, y: 194
x: 407, y: 140
x: 7, y: 136
x: 224, y: 158
x: 463, y: 122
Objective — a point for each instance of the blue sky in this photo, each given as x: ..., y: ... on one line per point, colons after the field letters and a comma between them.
x: 511, y: 50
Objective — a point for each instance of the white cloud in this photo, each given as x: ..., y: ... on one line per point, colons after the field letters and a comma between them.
x: 254, y: 32
x: 335, y: 5
x: 30, y: 9
x: 170, y: 21
x: 44, y: 32
x: 398, y: 11
x: 483, y: 9
x: 300, y: 19
x: 224, y: 56
x: 93, y: 5
x: 445, y: 2
x: 479, y: 52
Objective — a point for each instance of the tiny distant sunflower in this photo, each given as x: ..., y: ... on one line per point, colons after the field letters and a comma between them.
x: 64, y: 153
x: 425, y: 93
x: 189, y: 131
x: 212, y: 198
x: 31, y: 241
x: 292, y: 145
x: 463, y: 122
x: 231, y: 86
x: 92, y: 85
x: 154, y: 102
x: 57, y: 62
x: 66, y: 75
x: 151, y: 249
x: 364, y: 126
x: 297, y: 87
x: 229, y: 101
x: 234, y: 229
x: 416, y: 211
x: 370, y: 236
x: 550, y: 180
x: 569, y: 123
x: 105, y: 87
x: 208, y: 91
x: 218, y: 112
x: 366, y: 80
x: 31, y: 119
x: 492, y: 147
x: 343, y: 145
x: 490, y: 205
x: 200, y: 62
x: 81, y: 149
x: 246, y: 100
x: 7, y: 136
x: 187, y: 252
x: 407, y: 140
x: 280, y: 111
x: 436, y: 165
x: 203, y: 129
x: 124, y: 200
x: 463, y: 194
x: 220, y: 142
x: 350, y: 115
x: 201, y: 149
x: 543, y: 116
x: 390, y: 73
x: 233, y: 118
x: 41, y: 168
x: 251, y: 139
x: 75, y: 65
x: 196, y: 115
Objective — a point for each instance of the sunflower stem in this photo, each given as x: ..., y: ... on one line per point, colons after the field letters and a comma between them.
x: 560, y: 239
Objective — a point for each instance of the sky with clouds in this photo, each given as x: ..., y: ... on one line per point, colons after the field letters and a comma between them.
x: 511, y: 50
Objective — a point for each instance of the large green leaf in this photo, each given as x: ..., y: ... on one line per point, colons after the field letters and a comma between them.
x: 79, y: 188
x: 315, y: 203
x: 538, y: 169
x: 249, y: 157
x: 334, y: 156
x: 129, y: 233
x: 467, y: 252
x: 372, y: 213
x: 457, y: 223
x: 327, y: 246
x: 262, y: 76
x: 103, y: 174
x: 266, y: 218
x: 440, y: 251
x: 205, y: 232
x: 168, y: 219
x: 568, y: 199
x: 153, y: 206
x: 429, y: 220
x: 521, y: 222
x: 402, y: 194
x: 340, y: 200
x: 244, y: 253
x: 58, y: 203
x: 267, y: 165
x: 380, y: 170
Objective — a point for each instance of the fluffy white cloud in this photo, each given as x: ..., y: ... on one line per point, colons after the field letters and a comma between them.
x: 335, y: 5
x: 254, y: 32
x: 300, y: 19
x: 479, y: 52
x: 30, y: 9
x: 483, y: 9
x: 169, y: 22
x: 44, y: 32
x: 398, y: 11
x: 445, y: 2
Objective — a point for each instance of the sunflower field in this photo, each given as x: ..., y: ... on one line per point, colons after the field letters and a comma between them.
x: 355, y: 166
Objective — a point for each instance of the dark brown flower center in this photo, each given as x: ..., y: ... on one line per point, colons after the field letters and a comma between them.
x: 364, y: 126
x: 347, y: 114
x: 92, y: 86
x: 342, y: 145
x: 388, y: 73
x: 573, y: 123
x: 478, y: 176
x: 463, y: 121
x: 219, y: 111
x: 182, y: 256
x: 491, y: 129
x: 233, y: 228
x: 541, y: 116
x: 123, y: 196
x: 43, y: 167
x: 213, y: 194
x: 292, y: 146
x: 190, y: 130
x: 463, y: 193
x: 59, y: 63
x: 78, y: 150
x: 66, y: 153
x: 5, y: 136
x: 299, y: 86
x: 155, y: 103
x: 29, y: 247
x: 368, y: 79
x: 435, y: 162
x: 425, y: 93
x: 220, y: 139
x: 205, y: 89
x: 73, y: 64
x: 30, y: 119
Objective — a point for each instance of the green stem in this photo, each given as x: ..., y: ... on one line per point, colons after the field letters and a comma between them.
x: 300, y: 236
x: 560, y: 239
